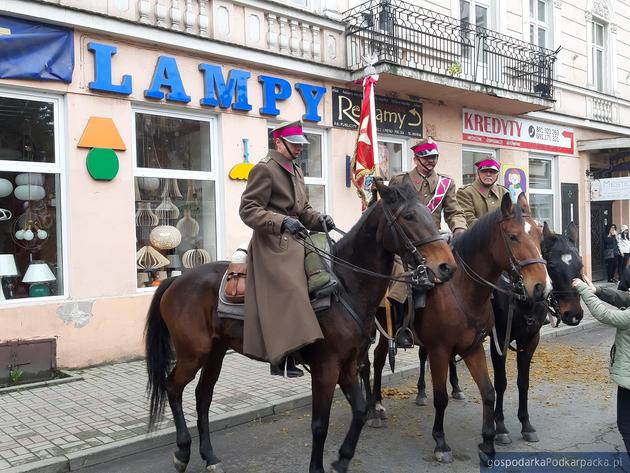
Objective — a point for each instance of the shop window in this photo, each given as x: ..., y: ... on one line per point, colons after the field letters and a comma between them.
x: 471, y: 156
x: 30, y: 186
x: 175, y: 194
x: 541, y: 189
x: 392, y: 155
x: 313, y: 164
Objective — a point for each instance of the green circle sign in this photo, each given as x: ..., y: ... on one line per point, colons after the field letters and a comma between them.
x: 102, y: 164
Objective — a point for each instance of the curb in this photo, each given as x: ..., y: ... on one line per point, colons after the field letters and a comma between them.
x: 77, y: 461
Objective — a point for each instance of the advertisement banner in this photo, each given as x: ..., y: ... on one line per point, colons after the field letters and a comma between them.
x: 614, y: 188
x: 500, y: 130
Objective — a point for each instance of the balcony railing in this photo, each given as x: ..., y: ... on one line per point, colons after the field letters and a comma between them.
x: 399, y: 33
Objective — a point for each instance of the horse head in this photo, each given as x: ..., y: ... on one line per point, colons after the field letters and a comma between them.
x: 564, y: 263
x: 408, y: 230
x: 519, y: 248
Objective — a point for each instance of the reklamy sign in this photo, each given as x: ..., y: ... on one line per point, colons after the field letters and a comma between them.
x: 393, y: 116
x: 615, y: 188
x: 499, y: 130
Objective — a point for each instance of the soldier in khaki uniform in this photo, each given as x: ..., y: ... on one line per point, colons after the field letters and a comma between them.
x: 279, y: 318
x: 438, y: 193
x: 484, y: 194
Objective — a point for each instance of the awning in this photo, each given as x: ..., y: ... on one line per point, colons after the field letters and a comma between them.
x: 604, y: 144
x: 30, y: 50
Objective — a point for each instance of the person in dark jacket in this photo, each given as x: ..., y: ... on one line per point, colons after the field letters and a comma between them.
x: 612, y: 255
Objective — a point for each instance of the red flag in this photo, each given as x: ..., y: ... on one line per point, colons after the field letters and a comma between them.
x: 363, y: 160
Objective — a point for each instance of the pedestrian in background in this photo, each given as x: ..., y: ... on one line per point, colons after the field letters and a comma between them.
x: 611, y: 251
x: 623, y: 241
x: 620, y: 352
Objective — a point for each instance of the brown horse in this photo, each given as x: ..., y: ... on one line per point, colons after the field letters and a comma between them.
x: 458, y: 315
x: 183, y: 316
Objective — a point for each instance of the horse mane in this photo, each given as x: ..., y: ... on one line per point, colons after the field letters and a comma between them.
x: 349, y: 239
x: 475, y: 240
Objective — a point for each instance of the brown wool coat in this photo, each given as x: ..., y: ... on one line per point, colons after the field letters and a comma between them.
x: 278, y: 315
x: 453, y: 215
x: 476, y: 200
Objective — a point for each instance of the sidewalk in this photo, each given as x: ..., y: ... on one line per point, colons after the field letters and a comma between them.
x: 104, y: 415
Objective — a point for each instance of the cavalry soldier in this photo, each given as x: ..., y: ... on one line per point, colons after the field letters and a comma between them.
x: 438, y: 193
x: 279, y: 318
x: 484, y: 194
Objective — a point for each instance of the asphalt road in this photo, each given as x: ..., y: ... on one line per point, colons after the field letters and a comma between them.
x: 572, y: 405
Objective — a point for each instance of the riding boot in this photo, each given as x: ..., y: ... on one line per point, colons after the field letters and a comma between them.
x: 403, y: 337
x: 287, y: 363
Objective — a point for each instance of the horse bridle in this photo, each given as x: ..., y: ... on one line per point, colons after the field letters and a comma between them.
x: 418, y: 275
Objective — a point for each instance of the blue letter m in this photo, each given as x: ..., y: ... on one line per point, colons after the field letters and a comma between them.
x: 217, y: 93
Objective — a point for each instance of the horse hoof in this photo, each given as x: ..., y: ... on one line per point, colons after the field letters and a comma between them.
x: 421, y: 400
x: 179, y: 465
x: 459, y: 395
x: 485, y: 459
x: 376, y: 423
x: 216, y: 468
x: 380, y: 411
x: 444, y: 457
x: 530, y: 436
x: 503, y: 439
x: 337, y: 468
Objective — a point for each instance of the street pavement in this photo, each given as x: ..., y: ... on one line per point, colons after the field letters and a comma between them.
x: 573, y: 407
x: 103, y: 414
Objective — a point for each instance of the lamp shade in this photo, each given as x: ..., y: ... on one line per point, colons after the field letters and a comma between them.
x: 38, y: 271
x: 7, y: 266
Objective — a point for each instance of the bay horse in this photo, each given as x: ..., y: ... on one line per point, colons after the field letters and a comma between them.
x: 564, y: 264
x: 183, y: 325
x: 458, y: 315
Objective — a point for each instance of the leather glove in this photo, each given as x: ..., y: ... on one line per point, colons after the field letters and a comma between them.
x: 330, y: 223
x: 294, y: 227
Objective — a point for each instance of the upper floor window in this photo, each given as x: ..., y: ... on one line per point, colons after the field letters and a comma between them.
x: 598, y: 52
x: 478, y: 12
x: 539, y: 23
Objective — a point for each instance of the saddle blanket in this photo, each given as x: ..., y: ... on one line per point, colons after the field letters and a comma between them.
x: 228, y: 310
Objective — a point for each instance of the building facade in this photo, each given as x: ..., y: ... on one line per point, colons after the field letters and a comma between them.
x: 128, y: 168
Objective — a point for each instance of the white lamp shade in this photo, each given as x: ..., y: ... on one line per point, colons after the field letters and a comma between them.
x: 7, y: 266
x: 38, y: 271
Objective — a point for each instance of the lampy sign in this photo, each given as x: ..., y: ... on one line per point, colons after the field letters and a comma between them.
x: 167, y: 84
x: 500, y: 130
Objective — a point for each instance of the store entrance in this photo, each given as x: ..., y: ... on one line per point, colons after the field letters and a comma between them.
x: 601, y: 215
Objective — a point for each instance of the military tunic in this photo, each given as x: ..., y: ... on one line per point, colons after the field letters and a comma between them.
x: 476, y: 200
x: 453, y: 214
x: 278, y: 314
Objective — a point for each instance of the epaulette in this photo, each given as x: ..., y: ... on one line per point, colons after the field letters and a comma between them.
x: 439, y: 174
x: 465, y: 186
x: 265, y: 160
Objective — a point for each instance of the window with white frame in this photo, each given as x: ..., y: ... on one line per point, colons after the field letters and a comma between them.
x: 470, y: 156
x: 478, y: 13
x: 539, y: 23
x: 30, y: 196
x: 175, y: 194
x: 541, y: 189
x: 599, y: 54
x: 312, y: 160
x: 392, y: 155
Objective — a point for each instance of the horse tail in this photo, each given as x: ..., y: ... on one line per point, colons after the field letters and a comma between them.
x: 159, y: 355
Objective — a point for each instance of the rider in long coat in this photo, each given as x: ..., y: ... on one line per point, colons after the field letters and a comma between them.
x: 279, y: 318
x: 484, y: 194
x: 438, y: 193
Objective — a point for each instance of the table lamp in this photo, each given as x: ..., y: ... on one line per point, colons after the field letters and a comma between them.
x: 7, y: 270
x: 38, y: 274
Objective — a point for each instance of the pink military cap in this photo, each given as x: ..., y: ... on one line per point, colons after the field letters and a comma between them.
x: 424, y: 148
x: 291, y: 132
x: 488, y: 164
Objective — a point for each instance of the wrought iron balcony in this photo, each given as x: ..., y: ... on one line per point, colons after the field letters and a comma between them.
x: 401, y: 34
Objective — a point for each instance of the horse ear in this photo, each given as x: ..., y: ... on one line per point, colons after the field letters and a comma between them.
x: 547, y: 232
x: 523, y: 203
x: 506, y: 205
x: 572, y: 233
x: 383, y: 190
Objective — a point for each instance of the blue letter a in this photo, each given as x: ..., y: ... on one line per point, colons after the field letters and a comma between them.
x: 167, y: 75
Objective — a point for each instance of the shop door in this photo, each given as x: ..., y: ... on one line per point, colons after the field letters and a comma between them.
x: 601, y: 214
x: 569, y: 202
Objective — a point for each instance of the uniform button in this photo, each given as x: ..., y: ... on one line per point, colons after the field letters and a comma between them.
x: 285, y: 238
x: 426, y: 195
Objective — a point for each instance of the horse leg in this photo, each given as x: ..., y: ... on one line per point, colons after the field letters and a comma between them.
x: 377, y: 414
x: 500, y: 384
x: 203, y: 393
x: 523, y: 361
x: 324, y: 377
x: 183, y: 373
x: 421, y: 398
x: 456, y: 393
x: 439, y: 370
x: 353, y: 393
x: 476, y: 362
